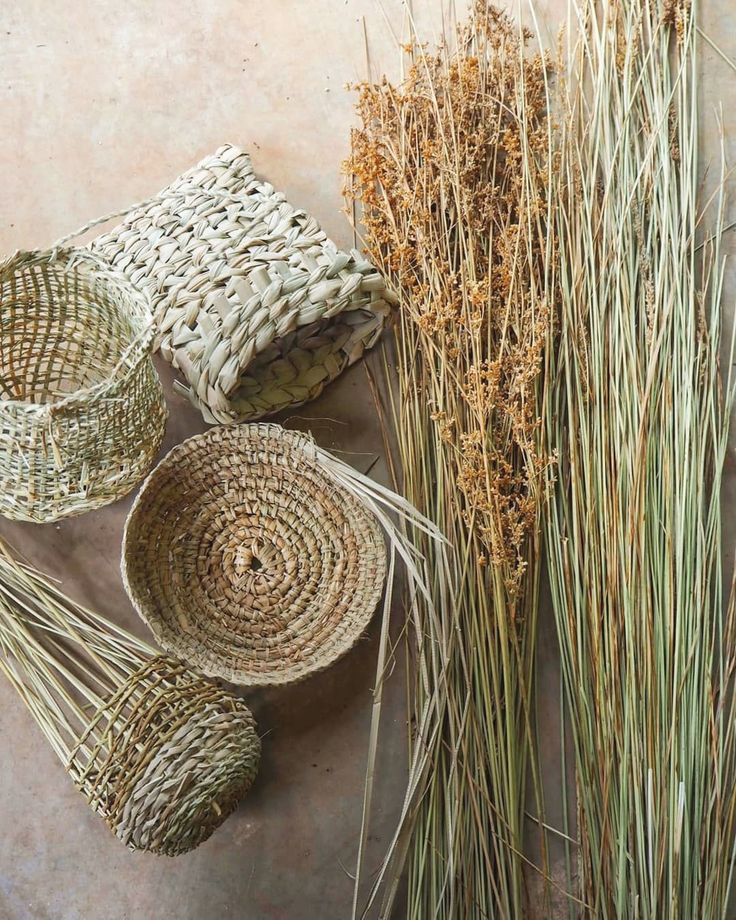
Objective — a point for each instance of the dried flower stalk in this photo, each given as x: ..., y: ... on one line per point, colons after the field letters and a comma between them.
x: 453, y: 169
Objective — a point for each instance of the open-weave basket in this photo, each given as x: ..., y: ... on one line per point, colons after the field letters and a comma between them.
x: 160, y: 752
x: 248, y: 559
x: 167, y: 758
x: 254, y: 305
x: 82, y: 411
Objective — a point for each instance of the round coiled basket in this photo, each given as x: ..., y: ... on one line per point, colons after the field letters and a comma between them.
x: 248, y: 560
x: 82, y: 411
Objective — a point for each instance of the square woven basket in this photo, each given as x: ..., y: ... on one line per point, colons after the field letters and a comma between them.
x: 254, y: 305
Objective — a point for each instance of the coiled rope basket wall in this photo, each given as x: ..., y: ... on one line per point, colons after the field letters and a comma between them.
x: 249, y: 560
x: 82, y: 411
x: 254, y: 305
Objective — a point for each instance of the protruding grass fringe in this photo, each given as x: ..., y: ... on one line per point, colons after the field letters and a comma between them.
x: 639, y: 416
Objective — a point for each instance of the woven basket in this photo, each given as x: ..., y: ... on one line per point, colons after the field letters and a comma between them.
x: 82, y: 411
x: 161, y: 753
x: 248, y: 560
x: 254, y: 305
x: 167, y: 758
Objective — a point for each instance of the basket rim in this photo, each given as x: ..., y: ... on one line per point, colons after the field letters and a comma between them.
x: 139, y: 345
x: 163, y: 633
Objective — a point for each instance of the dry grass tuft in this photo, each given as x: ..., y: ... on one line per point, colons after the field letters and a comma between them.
x: 453, y: 171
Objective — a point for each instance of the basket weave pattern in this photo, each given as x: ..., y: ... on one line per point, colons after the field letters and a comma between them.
x: 253, y: 304
x: 82, y: 412
x: 167, y: 759
x: 247, y: 560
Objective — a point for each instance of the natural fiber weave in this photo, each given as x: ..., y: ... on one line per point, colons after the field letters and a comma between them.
x: 248, y: 559
x: 173, y: 757
x: 161, y: 753
x: 82, y: 412
x: 254, y: 305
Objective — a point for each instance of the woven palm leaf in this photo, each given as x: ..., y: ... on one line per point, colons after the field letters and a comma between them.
x: 255, y: 306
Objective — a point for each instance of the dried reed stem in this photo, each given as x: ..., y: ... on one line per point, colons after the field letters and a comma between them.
x: 453, y: 171
x: 640, y: 421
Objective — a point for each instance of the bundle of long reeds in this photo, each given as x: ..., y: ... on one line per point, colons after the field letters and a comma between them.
x: 452, y: 169
x: 161, y: 753
x: 640, y: 418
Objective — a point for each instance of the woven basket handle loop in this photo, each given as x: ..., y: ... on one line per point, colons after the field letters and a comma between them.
x: 102, y: 220
x: 171, y: 192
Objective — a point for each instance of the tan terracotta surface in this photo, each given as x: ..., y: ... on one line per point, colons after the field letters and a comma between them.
x: 103, y: 103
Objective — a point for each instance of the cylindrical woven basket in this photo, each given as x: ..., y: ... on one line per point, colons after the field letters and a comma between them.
x: 248, y: 560
x: 82, y: 411
x: 160, y: 752
x: 254, y: 305
x: 167, y: 758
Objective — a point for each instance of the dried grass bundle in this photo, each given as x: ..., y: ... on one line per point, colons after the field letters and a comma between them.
x: 640, y: 419
x: 453, y: 171
x: 162, y: 754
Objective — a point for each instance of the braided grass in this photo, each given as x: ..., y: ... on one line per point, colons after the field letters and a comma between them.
x: 82, y: 411
x: 254, y: 305
x: 247, y: 559
x: 161, y: 753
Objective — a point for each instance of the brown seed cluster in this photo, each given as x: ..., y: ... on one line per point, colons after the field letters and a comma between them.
x: 451, y: 169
